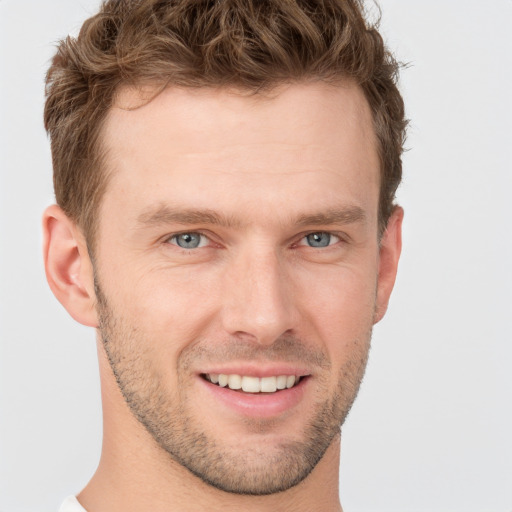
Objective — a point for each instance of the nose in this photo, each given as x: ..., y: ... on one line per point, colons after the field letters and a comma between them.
x: 257, y: 297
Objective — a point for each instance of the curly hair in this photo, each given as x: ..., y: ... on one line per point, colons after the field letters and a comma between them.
x: 252, y: 45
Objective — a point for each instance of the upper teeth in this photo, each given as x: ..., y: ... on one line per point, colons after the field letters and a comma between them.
x: 253, y: 384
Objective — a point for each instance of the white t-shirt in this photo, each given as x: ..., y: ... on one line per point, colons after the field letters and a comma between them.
x: 71, y: 505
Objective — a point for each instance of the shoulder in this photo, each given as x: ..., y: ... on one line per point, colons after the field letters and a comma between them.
x: 71, y: 504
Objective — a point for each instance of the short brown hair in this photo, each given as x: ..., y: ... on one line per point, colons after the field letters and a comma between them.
x: 253, y: 45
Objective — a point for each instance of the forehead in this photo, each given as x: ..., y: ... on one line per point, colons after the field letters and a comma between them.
x: 288, y: 114
x: 228, y: 148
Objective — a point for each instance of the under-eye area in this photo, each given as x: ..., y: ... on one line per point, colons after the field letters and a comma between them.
x: 250, y: 384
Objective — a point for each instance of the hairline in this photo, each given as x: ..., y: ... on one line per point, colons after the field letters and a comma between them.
x: 148, y: 91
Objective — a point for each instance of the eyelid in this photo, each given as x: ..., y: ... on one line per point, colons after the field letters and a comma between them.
x: 169, y: 238
x: 341, y: 237
x: 303, y: 236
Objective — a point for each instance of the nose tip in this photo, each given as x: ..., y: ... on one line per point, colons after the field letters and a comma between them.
x: 258, y: 301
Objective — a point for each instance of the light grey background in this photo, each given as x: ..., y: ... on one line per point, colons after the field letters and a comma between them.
x: 431, y: 430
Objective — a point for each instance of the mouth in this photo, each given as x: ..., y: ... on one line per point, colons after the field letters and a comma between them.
x: 254, y: 385
x: 256, y: 392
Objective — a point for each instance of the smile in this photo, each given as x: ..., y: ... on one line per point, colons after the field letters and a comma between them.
x: 250, y: 384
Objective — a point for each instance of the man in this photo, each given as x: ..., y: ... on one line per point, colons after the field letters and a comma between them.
x: 225, y: 176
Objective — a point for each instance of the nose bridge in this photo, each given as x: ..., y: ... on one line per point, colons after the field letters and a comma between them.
x: 257, y: 298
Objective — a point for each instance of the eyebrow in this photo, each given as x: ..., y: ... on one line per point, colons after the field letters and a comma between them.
x: 165, y: 215
x: 345, y: 215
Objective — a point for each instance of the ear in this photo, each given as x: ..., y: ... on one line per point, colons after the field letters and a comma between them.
x: 389, y: 254
x: 68, y: 266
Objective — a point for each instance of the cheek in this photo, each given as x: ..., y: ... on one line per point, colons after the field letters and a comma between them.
x: 171, y: 306
x: 339, y: 305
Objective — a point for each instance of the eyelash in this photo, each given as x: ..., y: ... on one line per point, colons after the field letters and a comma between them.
x: 177, y: 235
x: 299, y: 243
x: 331, y: 235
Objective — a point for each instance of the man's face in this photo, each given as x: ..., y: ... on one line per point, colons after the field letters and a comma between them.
x: 238, y: 242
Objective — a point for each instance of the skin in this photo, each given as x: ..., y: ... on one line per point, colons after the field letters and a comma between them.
x: 269, y: 171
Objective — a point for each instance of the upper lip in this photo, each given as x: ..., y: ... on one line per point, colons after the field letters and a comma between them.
x: 257, y: 370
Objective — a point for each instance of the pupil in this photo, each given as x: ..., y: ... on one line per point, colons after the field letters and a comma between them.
x: 319, y: 239
x: 188, y: 240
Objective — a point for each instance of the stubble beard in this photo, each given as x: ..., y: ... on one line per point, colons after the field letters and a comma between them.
x: 248, y: 471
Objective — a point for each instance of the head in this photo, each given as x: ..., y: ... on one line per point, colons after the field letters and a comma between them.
x: 225, y: 174
x: 251, y: 46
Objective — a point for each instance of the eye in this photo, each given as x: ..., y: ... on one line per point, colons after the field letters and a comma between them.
x: 320, y: 239
x: 189, y: 240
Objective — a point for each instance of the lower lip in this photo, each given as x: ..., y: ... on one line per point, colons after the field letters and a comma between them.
x: 257, y: 405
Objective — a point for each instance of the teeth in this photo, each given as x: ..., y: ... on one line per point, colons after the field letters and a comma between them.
x: 235, y: 382
x: 290, y: 381
x: 281, y: 382
x: 269, y: 385
x: 253, y: 384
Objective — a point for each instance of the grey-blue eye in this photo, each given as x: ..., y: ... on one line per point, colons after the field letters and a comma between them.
x: 320, y: 239
x: 188, y: 240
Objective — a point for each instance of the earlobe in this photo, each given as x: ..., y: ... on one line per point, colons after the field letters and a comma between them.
x: 68, y: 267
x: 389, y: 254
